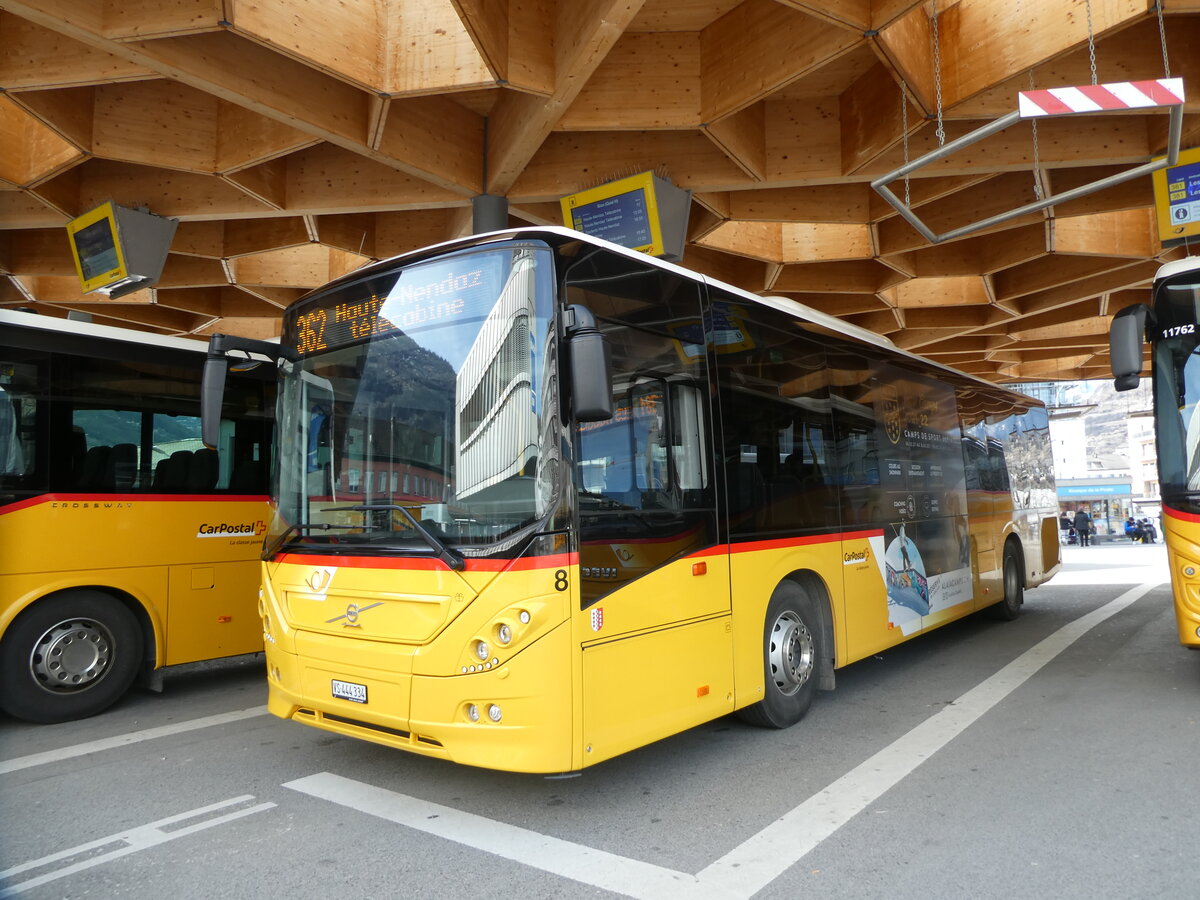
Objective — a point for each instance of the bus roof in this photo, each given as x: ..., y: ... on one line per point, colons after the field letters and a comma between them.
x: 13, y: 318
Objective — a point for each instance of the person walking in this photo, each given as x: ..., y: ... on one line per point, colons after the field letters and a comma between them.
x: 1083, y: 526
x: 1064, y: 527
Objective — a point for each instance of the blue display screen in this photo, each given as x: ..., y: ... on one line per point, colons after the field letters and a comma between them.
x: 623, y: 219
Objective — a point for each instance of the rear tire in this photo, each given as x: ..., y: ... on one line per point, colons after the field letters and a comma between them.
x: 791, y: 654
x: 1014, y: 588
x: 68, y: 657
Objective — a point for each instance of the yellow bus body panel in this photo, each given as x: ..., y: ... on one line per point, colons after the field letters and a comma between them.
x: 1182, y: 536
x: 196, y: 581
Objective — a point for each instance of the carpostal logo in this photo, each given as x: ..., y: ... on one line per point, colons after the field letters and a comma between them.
x: 231, y: 529
x: 856, y: 557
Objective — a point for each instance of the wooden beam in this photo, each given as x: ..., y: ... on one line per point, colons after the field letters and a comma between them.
x: 158, y: 123
x: 807, y: 242
x: 41, y: 251
x: 66, y: 111
x: 31, y: 152
x: 757, y: 48
x: 427, y: 49
x: 245, y: 236
x: 646, y: 81
x: 487, y: 26
x: 872, y: 117
x: 345, y: 39
x: 742, y: 137
x: 584, y: 32
x: 246, y: 138
x: 821, y: 203
x: 984, y: 42
x: 856, y: 277
x: 326, y: 179
x: 1118, y: 279
x: 37, y: 57
x: 1050, y: 271
x: 757, y: 240
x: 934, y: 292
x: 1130, y: 233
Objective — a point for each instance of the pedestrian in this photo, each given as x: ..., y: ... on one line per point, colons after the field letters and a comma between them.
x: 1083, y: 526
x: 1134, y: 530
x: 1151, y: 531
x: 1064, y: 528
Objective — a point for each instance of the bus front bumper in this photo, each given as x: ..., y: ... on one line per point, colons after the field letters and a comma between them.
x: 517, y: 717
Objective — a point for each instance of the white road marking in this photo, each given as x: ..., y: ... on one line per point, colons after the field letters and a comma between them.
x: 550, y: 854
x: 760, y: 859
x: 141, y: 838
x: 123, y: 740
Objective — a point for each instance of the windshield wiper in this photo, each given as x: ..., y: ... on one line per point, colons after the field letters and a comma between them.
x: 269, y: 549
x: 445, y: 554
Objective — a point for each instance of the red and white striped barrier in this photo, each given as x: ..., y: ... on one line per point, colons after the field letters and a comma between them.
x: 1100, y: 97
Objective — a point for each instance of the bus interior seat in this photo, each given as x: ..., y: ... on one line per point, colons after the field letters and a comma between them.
x: 171, y: 474
x: 203, y: 470
x: 91, y: 473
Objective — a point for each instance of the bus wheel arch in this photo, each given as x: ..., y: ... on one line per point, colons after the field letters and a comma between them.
x: 797, y: 652
x: 70, y: 655
x: 1012, y: 579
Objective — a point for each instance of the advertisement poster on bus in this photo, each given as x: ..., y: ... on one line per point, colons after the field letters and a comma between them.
x: 925, y: 560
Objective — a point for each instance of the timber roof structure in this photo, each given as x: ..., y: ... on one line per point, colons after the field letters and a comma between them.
x: 296, y: 140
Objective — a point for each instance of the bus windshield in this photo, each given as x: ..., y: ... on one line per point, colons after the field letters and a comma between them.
x: 1177, y: 384
x: 415, y: 407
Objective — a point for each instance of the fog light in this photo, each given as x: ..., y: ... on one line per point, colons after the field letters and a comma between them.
x: 1189, y: 571
x: 472, y: 712
x: 494, y: 712
x: 482, y: 650
x: 524, y: 617
x: 503, y: 633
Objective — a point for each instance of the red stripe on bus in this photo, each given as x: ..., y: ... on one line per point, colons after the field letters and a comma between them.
x: 129, y: 498
x: 1180, y: 515
x: 428, y: 564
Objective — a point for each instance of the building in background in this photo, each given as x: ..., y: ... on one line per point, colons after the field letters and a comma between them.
x: 1104, y: 453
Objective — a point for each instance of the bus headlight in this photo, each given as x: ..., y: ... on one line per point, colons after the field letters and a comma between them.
x: 472, y: 712
x: 503, y: 633
x: 482, y: 650
x: 494, y: 712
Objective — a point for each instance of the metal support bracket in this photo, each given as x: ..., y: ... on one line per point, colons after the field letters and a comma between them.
x: 1170, y: 95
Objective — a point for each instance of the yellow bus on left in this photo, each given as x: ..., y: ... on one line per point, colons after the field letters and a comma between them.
x: 126, y: 545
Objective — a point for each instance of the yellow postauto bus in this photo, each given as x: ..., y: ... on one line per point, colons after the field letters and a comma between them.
x: 125, y: 544
x: 541, y: 500
x: 1170, y: 324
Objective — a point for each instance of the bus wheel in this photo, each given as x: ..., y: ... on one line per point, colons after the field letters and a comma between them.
x: 791, y: 649
x: 68, y: 657
x: 1014, y: 589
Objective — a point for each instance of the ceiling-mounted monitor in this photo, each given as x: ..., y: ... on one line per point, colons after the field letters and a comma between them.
x: 118, y: 250
x: 643, y: 212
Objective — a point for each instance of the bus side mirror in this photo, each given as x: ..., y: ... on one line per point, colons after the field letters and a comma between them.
x: 591, y: 382
x: 212, y: 396
x: 1125, y: 340
x: 212, y: 381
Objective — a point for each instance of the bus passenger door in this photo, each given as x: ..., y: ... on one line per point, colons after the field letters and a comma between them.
x: 653, y: 618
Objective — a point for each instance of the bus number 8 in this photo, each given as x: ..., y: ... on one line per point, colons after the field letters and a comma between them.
x: 560, y: 580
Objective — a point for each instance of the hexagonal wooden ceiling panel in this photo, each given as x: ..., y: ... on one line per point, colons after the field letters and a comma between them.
x: 296, y: 139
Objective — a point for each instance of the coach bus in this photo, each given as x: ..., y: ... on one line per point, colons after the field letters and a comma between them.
x: 541, y: 500
x: 1169, y: 323
x: 125, y: 544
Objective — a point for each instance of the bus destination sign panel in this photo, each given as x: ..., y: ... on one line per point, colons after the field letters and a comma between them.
x: 413, y: 299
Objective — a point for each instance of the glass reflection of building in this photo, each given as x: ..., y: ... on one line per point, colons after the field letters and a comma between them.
x: 496, y: 426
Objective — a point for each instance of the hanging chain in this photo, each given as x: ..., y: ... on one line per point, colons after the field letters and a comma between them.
x: 1037, y: 176
x: 937, y: 76
x: 1091, y: 41
x: 1162, y: 36
x: 904, y: 132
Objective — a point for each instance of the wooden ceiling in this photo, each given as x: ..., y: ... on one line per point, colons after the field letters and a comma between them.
x: 297, y: 139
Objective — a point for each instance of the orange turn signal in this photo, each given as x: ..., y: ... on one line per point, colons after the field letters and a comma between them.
x: 700, y: 568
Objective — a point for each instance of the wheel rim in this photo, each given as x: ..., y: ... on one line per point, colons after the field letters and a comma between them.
x: 72, y: 655
x: 791, y: 653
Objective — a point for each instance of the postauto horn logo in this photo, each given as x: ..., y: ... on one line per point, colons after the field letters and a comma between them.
x: 231, y: 529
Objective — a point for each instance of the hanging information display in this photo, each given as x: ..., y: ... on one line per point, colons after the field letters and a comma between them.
x: 642, y: 212
x: 1177, y: 199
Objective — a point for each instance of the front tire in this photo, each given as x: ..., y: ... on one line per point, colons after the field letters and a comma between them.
x: 68, y: 657
x: 1014, y: 587
x: 792, y: 648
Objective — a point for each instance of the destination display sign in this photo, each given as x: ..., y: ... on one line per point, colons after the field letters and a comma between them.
x: 439, y: 293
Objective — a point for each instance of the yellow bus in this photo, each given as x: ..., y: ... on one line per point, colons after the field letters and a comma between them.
x: 541, y: 500
x: 125, y: 544
x: 1170, y: 325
